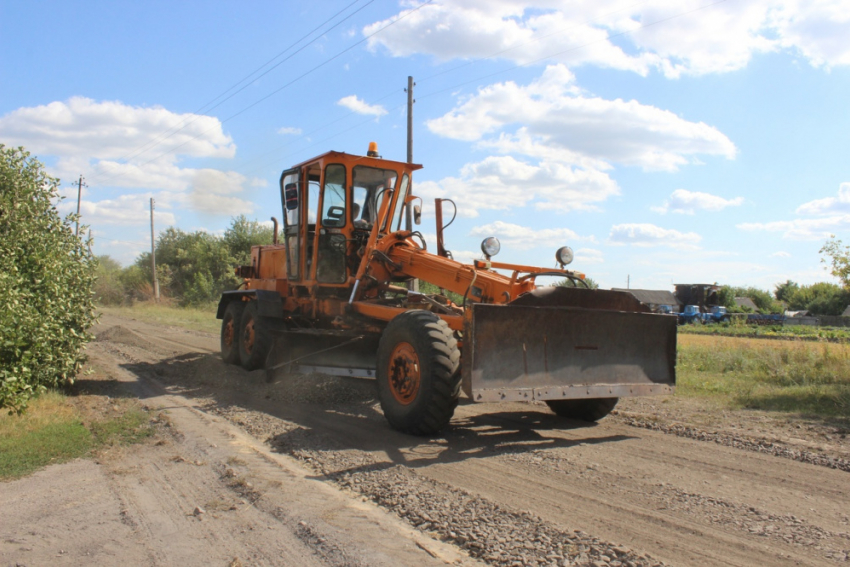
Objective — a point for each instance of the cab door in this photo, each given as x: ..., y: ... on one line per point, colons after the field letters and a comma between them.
x: 291, y: 188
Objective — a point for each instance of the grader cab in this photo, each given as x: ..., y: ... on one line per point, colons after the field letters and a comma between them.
x: 332, y: 296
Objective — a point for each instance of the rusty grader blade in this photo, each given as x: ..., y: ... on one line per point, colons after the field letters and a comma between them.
x: 568, y: 343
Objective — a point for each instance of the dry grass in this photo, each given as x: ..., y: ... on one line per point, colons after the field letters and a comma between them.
x: 777, y: 375
x: 192, y: 318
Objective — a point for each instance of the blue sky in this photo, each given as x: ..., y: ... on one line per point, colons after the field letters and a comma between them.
x: 695, y: 141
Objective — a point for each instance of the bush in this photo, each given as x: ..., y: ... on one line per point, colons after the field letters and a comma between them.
x: 46, y: 282
x: 108, y: 288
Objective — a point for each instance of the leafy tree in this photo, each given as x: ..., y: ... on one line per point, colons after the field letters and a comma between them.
x: 763, y: 300
x: 820, y: 299
x: 784, y: 291
x: 46, y: 282
x: 192, y: 266
x: 242, y: 235
x: 566, y: 282
x: 837, y: 255
x: 108, y: 288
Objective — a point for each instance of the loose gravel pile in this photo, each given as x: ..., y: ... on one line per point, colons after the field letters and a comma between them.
x: 487, y: 531
x: 787, y: 528
x: 739, y: 442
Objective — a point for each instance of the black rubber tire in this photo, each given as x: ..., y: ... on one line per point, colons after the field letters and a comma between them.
x: 436, y: 398
x: 230, y: 325
x: 252, y: 354
x: 592, y: 409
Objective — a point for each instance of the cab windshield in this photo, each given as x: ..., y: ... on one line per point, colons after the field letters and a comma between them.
x: 368, y: 183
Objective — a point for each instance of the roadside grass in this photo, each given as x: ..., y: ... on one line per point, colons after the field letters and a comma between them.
x: 739, y: 329
x: 56, y: 429
x: 192, y: 318
x: 799, y: 377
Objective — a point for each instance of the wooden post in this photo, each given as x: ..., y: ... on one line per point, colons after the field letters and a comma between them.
x: 153, y: 259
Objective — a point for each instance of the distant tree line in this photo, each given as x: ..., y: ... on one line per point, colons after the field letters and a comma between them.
x: 821, y: 298
x: 192, y: 268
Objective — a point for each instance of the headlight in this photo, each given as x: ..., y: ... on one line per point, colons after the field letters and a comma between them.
x: 564, y: 255
x: 490, y: 246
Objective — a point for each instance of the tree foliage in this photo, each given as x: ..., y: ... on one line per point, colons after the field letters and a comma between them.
x: 46, y: 282
x: 784, y: 291
x: 820, y: 299
x: 193, y: 268
x: 837, y: 256
x: 764, y: 301
x: 567, y: 282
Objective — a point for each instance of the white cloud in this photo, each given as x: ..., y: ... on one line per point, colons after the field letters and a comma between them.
x: 519, y: 237
x: 830, y: 205
x: 289, y: 130
x: 359, y: 106
x: 780, y: 254
x: 833, y: 216
x: 124, y: 210
x: 82, y: 128
x: 651, y: 235
x: 688, y: 202
x: 552, y: 120
x: 588, y: 256
x: 103, y: 140
x: 676, y: 38
x: 803, y: 229
x: 506, y: 183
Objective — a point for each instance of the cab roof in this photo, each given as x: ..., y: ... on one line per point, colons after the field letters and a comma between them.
x: 349, y: 158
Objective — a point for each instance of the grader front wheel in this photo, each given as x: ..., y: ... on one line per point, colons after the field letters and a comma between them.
x: 418, y: 378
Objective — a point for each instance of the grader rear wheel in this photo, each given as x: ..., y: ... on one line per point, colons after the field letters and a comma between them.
x: 418, y: 378
x: 230, y: 325
x: 592, y: 409
x: 254, y: 339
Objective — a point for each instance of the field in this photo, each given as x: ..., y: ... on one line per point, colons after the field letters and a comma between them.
x: 805, y: 377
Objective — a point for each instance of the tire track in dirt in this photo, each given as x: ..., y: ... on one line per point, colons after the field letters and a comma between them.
x: 652, y: 491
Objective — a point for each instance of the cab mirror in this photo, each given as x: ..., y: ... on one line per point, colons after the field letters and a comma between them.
x: 417, y: 214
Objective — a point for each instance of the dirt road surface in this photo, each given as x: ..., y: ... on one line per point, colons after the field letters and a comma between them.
x: 305, y: 471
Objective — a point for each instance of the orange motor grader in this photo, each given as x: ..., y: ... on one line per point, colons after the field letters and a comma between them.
x: 332, y: 296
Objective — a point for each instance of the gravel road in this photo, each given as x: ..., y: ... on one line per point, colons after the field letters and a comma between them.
x: 506, y: 484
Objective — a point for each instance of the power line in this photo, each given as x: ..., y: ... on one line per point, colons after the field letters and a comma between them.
x: 245, y: 82
x: 290, y: 83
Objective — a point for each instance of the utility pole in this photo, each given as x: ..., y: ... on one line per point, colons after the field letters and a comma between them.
x: 153, y: 259
x: 408, y: 209
x: 410, y: 101
x: 79, y: 197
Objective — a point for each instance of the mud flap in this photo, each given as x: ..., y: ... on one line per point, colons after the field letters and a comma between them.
x: 521, y: 352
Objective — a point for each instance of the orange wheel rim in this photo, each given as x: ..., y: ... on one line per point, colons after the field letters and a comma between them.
x: 248, y: 339
x: 228, y: 333
x: 404, y: 373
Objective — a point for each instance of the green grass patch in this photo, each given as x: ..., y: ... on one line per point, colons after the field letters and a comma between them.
x: 737, y: 329
x: 811, y: 378
x: 54, y: 431
x: 192, y: 318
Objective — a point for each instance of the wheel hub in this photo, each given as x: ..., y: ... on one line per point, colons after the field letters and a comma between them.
x: 404, y: 373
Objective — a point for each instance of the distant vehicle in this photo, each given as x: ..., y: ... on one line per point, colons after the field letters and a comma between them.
x: 718, y: 314
x: 691, y: 314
